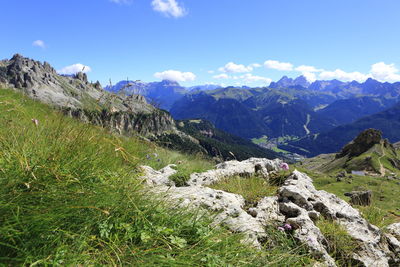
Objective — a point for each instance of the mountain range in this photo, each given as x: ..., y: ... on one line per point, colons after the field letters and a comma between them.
x: 127, y: 112
x: 293, y: 108
x: 318, y: 117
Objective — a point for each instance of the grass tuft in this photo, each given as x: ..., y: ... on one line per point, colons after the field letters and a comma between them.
x: 341, y: 246
x: 252, y: 189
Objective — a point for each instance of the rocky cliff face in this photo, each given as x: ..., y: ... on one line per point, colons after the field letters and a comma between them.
x: 126, y: 123
x: 78, y: 98
x: 40, y: 81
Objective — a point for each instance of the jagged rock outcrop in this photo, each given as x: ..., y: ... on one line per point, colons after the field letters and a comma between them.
x: 235, y: 168
x: 362, y: 198
x: 362, y: 143
x: 302, y: 204
x: 393, y: 237
x: 161, y: 177
x: 41, y: 81
x: 126, y: 123
x: 298, y: 204
x: 78, y: 98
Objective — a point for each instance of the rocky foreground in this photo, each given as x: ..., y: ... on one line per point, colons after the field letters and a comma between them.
x: 298, y: 206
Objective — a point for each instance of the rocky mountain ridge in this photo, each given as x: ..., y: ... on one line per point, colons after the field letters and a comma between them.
x: 368, y: 154
x: 77, y: 97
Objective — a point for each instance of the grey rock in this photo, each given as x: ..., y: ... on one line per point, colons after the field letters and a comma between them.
x: 160, y: 177
x: 393, y: 236
x: 267, y: 211
x: 306, y: 231
x: 230, y: 207
x: 232, y: 168
x: 362, y: 198
x: 298, y: 196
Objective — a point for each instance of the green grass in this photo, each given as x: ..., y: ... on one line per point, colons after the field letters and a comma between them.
x: 282, y: 249
x: 276, y: 149
x: 252, y: 189
x: 341, y: 245
x: 69, y: 195
x: 261, y: 140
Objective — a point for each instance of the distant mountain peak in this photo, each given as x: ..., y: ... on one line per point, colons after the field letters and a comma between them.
x: 362, y: 143
x: 169, y: 83
x: 286, y: 82
x: 371, y: 80
x: 302, y: 81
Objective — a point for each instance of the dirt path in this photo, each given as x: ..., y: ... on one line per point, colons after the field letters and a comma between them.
x: 382, y: 169
x: 306, y: 125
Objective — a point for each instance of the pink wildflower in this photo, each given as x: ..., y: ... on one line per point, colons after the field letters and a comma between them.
x: 284, y: 166
x: 281, y: 229
x: 287, y: 227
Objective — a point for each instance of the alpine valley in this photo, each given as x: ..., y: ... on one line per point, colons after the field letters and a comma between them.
x: 290, y: 115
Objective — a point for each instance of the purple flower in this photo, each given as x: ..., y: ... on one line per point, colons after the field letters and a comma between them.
x: 287, y: 227
x: 284, y: 166
x: 281, y: 229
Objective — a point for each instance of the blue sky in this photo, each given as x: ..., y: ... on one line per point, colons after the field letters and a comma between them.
x: 230, y: 42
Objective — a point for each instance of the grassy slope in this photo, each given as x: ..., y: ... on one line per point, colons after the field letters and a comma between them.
x: 69, y: 195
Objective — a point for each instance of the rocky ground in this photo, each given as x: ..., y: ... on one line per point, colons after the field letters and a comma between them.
x: 297, y: 207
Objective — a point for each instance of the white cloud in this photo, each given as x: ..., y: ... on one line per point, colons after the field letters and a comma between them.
x: 175, y: 75
x: 75, y: 68
x: 305, y: 68
x: 250, y: 78
x: 39, y: 43
x: 343, y: 76
x: 245, y: 78
x: 276, y: 65
x: 121, y: 1
x: 308, y: 72
x: 210, y: 71
x: 310, y: 76
x: 255, y: 65
x: 232, y: 67
x: 221, y: 76
x: 169, y: 8
x: 385, y: 72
